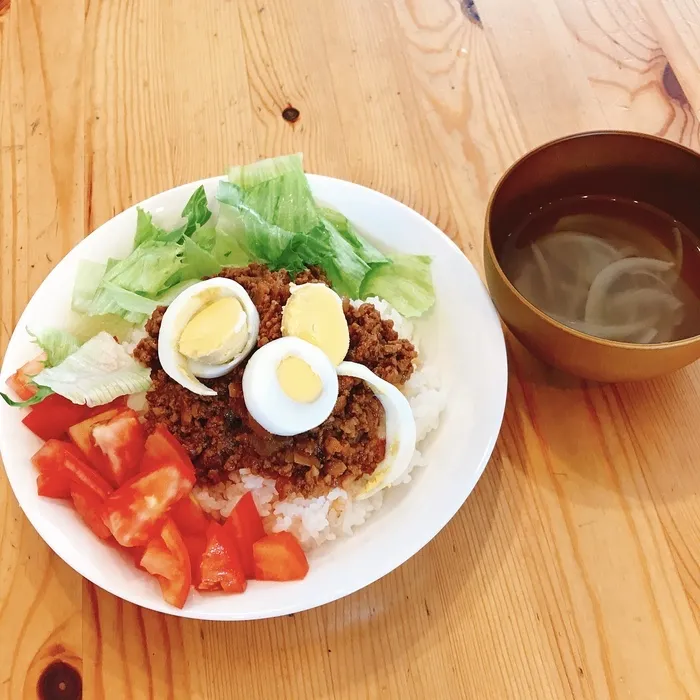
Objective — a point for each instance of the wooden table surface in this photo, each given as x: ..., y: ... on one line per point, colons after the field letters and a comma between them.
x: 573, y: 570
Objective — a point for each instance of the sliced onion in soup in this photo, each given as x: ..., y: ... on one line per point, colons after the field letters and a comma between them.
x: 606, y: 278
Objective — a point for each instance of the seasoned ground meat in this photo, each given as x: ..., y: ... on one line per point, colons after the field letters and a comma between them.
x: 221, y: 436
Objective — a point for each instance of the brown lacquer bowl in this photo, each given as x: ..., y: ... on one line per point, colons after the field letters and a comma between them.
x: 634, y: 166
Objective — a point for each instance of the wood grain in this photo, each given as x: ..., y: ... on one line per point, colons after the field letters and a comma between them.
x: 573, y: 570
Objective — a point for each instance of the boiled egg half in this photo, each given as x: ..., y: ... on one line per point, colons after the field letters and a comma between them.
x: 314, y: 313
x: 206, y: 331
x: 400, y: 429
x: 290, y: 386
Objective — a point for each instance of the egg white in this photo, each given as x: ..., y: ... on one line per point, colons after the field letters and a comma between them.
x: 267, y: 402
x: 182, y: 369
x: 400, y: 429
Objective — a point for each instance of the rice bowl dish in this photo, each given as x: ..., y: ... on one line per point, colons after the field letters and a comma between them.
x: 311, y: 518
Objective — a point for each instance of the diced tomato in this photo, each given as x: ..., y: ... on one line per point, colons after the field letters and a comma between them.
x: 21, y: 381
x: 189, y: 517
x: 163, y: 449
x: 81, y: 435
x: 121, y: 440
x: 53, y: 416
x: 135, y: 511
x: 53, y: 485
x: 61, y: 460
x: 246, y: 527
x: 166, y: 558
x: 279, y: 557
x: 89, y: 508
x: 196, y: 544
x: 221, y: 566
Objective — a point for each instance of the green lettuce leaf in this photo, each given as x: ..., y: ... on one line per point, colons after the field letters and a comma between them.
x: 89, y: 296
x: 259, y: 239
x: 135, y: 304
x: 198, y: 263
x: 196, y: 212
x: 138, y: 305
x: 148, y: 269
x: 87, y: 281
x: 146, y: 230
x: 57, y: 344
x: 228, y: 252
x: 363, y: 248
x: 325, y: 247
x: 97, y: 373
x: 205, y: 237
x: 104, y: 303
x: 277, y: 190
x: 406, y: 284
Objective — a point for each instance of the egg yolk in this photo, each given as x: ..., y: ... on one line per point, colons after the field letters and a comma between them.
x: 298, y: 380
x: 217, y: 333
x: 314, y: 313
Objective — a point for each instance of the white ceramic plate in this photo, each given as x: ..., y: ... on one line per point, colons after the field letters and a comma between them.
x: 462, y: 336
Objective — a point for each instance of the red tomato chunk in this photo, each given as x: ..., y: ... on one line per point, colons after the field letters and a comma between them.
x: 279, y: 557
x: 89, y: 508
x: 189, y: 517
x: 61, y: 466
x: 163, y: 449
x: 221, y: 567
x: 135, y: 511
x: 121, y: 440
x: 196, y: 545
x: 113, y: 442
x: 81, y: 435
x: 166, y: 557
x: 54, y: 416
x: 246, y: 527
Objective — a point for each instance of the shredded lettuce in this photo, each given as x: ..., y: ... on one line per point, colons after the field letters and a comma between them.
x: 198, y: 262
x: 97, y: 373
x: 278, y: 191
x: 148, y: 269
x: 268, y: 210
x: 138, y: 304
x: 196, y: 212
x: 325, y: 247
x: 363, y: 248
x: 228, y: 251
x: 146, y: 230
x: 161, y: 260
x: 205, y: 237
x: 131, y: 302
x: 87, y: 281
x: 267, y: 214
x: 406, y: 283
x: 294, y: 250
x: 57, y: 344
x: 258, y: 238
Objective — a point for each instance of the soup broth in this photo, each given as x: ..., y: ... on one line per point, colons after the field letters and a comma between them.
x: 610, y: 267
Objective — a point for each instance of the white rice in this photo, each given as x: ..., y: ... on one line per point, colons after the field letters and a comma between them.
x: 322, y: 518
